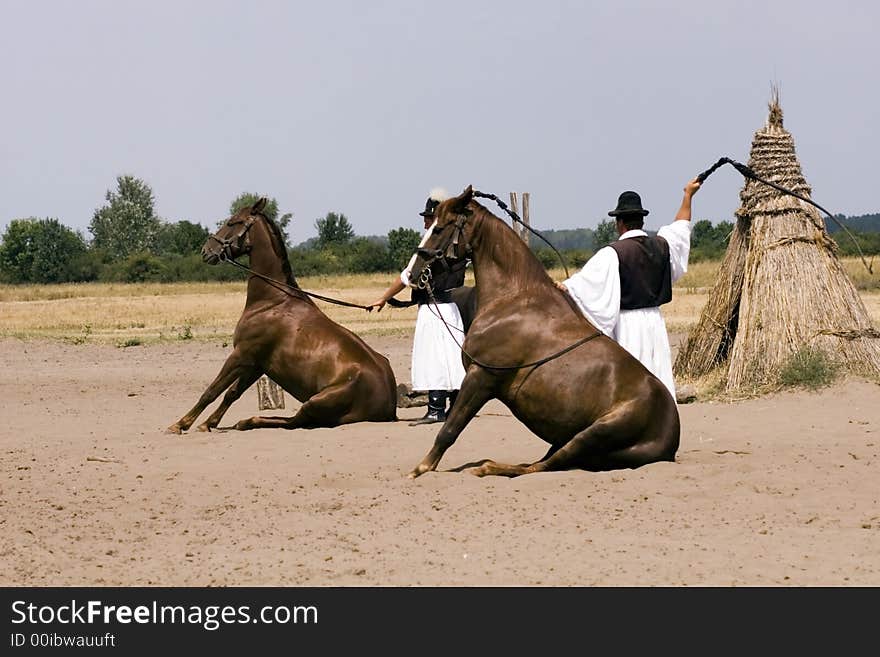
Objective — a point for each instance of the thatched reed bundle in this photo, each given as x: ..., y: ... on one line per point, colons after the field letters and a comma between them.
x: 781, y: 287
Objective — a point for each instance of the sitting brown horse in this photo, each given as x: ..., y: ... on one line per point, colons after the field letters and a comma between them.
x: 283, y: 334
x: 529, y: 346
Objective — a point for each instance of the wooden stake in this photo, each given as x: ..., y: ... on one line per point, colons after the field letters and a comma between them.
x: 524, y: 233
x: 514, y: 206
x: 270, y: 394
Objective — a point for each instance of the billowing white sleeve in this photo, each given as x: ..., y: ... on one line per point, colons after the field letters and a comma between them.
x: 678, y: 236
x: 406, y: 274
x: 596, y: 289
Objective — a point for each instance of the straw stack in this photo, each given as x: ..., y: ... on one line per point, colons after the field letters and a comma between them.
x: 781, y: 287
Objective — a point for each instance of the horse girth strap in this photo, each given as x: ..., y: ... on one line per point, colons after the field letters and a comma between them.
x: 510, y: 368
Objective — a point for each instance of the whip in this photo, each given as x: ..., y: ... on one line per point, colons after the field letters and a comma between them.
x: 747, y: 172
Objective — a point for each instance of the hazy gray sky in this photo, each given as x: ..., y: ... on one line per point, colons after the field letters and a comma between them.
x: 363, y: 107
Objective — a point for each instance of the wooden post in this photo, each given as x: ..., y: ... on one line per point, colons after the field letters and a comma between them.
x: 270, y: 394
x: 518, y: 228
x: 514, y: 206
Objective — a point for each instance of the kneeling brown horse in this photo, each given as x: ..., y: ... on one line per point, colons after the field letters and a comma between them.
x: 283, y: 334
x: 596, y: 405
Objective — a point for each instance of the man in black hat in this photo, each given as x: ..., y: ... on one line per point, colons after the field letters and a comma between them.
x: 436, y: 356
x: 621, y: 288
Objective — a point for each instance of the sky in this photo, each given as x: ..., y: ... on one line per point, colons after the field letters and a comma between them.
x: 362, y: 108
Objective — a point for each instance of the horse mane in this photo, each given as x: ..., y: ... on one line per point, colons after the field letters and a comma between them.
x: 527, y: 271
x: 280, y: 248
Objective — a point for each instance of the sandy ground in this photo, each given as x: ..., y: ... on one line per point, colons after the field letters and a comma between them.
x: 777, y: 491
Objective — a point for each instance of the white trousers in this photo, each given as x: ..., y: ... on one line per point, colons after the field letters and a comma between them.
x: 642, y: 333
x: 436, y: 354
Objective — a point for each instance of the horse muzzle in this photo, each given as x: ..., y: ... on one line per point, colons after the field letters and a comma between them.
x: 213, y: 257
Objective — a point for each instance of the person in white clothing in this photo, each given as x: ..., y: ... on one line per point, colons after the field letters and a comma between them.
x: 436, y: 356
x: 621, y: 288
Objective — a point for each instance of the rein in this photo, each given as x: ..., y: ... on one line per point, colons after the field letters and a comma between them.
x: 285, y: 287
x: 486, y: 366
x: 225, y: 256
x: 747, y: 172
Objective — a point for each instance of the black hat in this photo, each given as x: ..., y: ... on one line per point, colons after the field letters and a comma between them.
x: 628, y: 203
x: 430, y: 205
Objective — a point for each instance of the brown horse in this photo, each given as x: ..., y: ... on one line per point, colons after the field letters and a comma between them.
x: 283, y: 334
x: 529, y: 346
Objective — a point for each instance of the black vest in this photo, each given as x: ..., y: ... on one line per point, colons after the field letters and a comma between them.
x: 645, y: 272
x: 443, y: 279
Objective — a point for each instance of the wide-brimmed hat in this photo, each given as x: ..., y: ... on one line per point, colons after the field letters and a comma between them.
x: 628, y: 203
x: 430, y: 206
x: 437, y: 194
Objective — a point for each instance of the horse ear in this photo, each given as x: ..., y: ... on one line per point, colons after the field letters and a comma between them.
x: 459, y: 203
x: 259, y: 205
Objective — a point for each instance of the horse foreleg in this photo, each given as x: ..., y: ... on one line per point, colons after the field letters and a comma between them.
x: 476, y: 390
x: 230, y: 371
x: 329, y: 408
x: 245, y: 381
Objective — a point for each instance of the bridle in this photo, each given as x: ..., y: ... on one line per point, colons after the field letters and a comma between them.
x: 450, y: 248
x: 241, y: 238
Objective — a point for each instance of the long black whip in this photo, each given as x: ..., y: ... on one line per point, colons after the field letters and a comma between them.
x: 749, y: 173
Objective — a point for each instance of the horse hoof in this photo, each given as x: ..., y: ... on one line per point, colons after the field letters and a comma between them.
x: 175, y: 429
x: 203, y: 427
x: 418, y: 471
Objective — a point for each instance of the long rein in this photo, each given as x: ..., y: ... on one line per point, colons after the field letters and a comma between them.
x: 286, y: 287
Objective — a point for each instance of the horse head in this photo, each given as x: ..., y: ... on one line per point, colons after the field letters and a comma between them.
x: 449, y: 240
x: 232, y: 239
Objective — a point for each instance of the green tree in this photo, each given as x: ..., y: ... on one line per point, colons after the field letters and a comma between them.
x: 708, y: 241
x: 402, y: 243
x: 136, y: 268
x: 40, y: 251
x: 333, y: 230
x: 127, y: 224
x: 182, y: 238
x: 364, y: 255
x: 247, y: 199
x: 723, y: 230
x: 605, y: 233
x: 702, y: 233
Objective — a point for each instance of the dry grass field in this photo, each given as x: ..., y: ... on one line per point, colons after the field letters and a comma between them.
x: 125, y: 315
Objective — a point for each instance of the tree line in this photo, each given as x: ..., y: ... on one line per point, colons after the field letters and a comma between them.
x: 130, y: 243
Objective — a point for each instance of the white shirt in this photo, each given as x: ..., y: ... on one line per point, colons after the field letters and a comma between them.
x: 642, y: 332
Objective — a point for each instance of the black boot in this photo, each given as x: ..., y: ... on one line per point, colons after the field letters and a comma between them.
x: 436, y: 408
x: 452, y: 396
